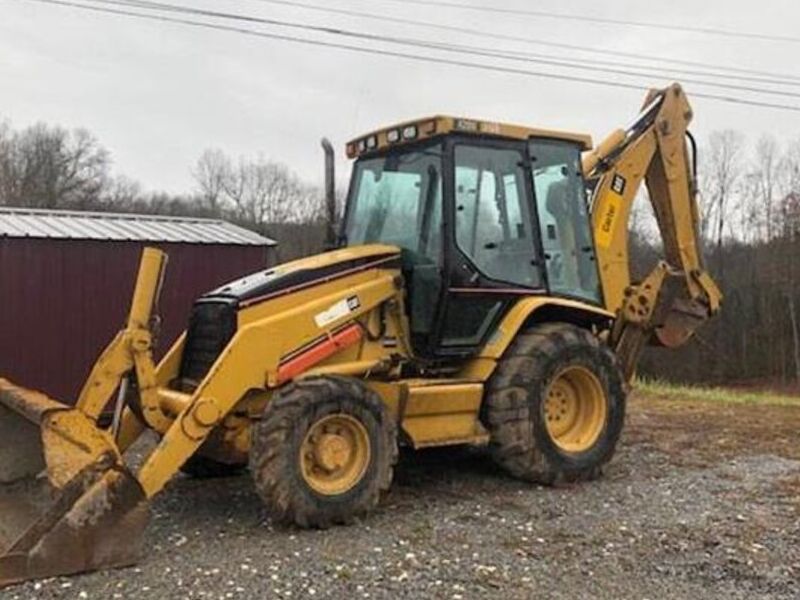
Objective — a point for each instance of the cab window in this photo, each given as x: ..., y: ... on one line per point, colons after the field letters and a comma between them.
x: 564, y: 219
x: 397, y: 200
x: 493, y: 220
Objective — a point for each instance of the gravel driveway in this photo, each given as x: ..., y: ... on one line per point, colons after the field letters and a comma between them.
x: 701, y: 501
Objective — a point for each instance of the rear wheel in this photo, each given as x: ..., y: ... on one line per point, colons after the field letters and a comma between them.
x: 555, y: 405
x: 323, y: 452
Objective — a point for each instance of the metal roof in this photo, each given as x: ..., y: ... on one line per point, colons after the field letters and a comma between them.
x: 122, y: 227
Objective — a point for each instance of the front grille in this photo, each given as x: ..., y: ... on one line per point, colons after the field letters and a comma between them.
x: 211, y: 326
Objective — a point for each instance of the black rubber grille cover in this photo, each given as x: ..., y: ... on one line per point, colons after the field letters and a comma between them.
x: 211, y: 327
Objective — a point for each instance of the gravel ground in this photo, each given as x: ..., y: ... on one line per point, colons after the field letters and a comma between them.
x: 701, y: 501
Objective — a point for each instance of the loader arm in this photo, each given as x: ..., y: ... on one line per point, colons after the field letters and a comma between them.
x: 247, y: 364
x: 678, y: 295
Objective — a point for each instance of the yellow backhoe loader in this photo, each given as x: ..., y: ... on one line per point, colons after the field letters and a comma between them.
x: 478, y: 293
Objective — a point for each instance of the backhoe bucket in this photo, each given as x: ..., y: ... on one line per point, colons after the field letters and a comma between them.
x: 68, y: 504
x: 680, y: 323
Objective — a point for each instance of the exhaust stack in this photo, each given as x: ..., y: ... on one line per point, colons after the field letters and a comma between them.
x: 331, y: 234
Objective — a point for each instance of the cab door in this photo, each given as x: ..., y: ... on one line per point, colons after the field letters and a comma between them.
x: 494, y: 249
x: 396, y: 199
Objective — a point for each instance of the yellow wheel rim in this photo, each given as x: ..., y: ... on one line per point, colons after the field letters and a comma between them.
x: 575, y: 409
x: 335, y: 454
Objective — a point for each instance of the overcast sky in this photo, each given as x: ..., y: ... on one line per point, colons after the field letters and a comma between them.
x: 156, y: 94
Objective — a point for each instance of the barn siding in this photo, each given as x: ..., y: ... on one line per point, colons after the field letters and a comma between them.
x: 61, y: 301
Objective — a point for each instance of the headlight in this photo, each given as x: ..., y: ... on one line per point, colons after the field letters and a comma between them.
x: 410, y: 132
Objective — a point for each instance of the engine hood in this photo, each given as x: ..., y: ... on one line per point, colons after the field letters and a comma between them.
x: 302, y: 273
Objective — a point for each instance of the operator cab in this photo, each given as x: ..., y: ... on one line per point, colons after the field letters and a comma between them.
x: 483, y: 213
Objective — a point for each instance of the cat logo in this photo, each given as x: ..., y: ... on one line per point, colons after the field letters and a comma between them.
x: 618, y: 184
x: 353, y: 303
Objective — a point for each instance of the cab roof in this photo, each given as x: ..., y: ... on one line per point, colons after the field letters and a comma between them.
x: 420, y: 129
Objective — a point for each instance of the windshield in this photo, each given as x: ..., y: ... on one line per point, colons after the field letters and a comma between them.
x: 397, y: 199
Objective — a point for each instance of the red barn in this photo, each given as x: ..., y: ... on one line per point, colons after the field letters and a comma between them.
x: 66, y: 280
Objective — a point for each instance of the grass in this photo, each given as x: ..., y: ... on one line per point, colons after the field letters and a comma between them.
x: 713, y: 394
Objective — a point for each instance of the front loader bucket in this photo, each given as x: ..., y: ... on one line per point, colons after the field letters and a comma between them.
x: 68, y: 504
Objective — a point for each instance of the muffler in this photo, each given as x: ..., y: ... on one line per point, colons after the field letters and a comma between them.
x: 68, y: 503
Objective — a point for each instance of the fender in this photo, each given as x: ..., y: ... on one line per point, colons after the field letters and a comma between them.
x: 527, y: 311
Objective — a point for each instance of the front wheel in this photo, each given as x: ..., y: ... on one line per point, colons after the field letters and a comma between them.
x: 555, y: 405
x: 323, y: 452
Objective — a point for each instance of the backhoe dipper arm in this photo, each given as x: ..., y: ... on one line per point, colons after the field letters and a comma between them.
x: 678, y: 295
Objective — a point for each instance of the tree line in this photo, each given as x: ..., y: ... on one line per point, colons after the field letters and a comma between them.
x: 50, y: 167
x: 750, y: 230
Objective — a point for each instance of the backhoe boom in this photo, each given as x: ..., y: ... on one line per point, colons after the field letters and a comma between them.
x: 678, y: 295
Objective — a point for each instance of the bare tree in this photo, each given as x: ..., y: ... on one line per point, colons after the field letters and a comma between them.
x: 7, y: 164
x: 767, y: 162
x: 789, y: 185
x: 723, y: 171
x: 123, y: 194
x: 789, y: 182
x: 256, y: 191
x: 50, y: 167
x: 272, y: 192
x: 212, y: 173
x: 746, y: 211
